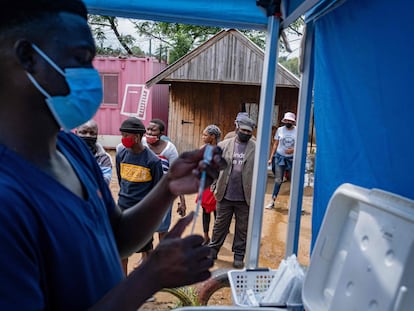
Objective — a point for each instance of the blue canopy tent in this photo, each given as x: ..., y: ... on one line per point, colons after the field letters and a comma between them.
x: 357, y: 69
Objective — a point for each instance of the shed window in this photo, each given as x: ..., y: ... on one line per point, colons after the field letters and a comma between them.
x: 110, y: 86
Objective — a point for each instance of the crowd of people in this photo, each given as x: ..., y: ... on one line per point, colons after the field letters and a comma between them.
x: 228, y: 197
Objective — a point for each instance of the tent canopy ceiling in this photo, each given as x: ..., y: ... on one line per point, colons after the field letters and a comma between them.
x: 243, y: 14
x: 240, y: 14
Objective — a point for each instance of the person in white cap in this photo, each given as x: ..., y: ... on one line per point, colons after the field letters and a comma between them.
x: 281, y: 156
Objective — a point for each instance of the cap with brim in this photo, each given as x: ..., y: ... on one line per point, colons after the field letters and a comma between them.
x: 289, y: 116
x: 241, y: 115
x: 245, y: 127
x: 244, y: 122
x: 132, y: 125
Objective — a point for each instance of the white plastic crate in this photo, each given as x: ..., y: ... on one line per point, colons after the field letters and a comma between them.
x: 258, y: 280
x: 364, y: 254
x: 240, y: 280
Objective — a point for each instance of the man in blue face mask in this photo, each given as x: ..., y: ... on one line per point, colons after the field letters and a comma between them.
x: 62, y: 235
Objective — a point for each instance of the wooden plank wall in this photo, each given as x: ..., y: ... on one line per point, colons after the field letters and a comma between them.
x: 193, y: 106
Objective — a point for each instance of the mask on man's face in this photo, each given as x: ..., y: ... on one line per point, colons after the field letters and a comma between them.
x: 91, y: 142
x: 128, y: 141
x: 243, y: 137
x: 83, y: 100
x: 288, y: 125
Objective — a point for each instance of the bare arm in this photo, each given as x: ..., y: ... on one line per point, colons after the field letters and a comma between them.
x: 274, y: 148
x: 174, y: 262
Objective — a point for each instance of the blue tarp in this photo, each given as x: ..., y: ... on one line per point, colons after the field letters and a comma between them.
x: 363, y: 99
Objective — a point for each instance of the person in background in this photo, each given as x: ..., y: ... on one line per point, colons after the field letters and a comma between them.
x: 89, y: 134
x: 167, y: 153
x: 138, y: 170
x: 211, y: 135
x: 239, y: 116
x: 62, y: 235
x: 284, y: 146
x: 233, y: 190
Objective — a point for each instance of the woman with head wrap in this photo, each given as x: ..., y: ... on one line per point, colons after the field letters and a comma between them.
x: 211, y: 135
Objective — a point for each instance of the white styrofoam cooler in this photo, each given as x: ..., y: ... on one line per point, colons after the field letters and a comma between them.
x: 363, y: 258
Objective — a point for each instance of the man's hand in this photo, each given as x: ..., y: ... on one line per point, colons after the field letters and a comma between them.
x: 290, y: 150
x: 179, y: 261
x: 181, y: 209
x: 184, y: 174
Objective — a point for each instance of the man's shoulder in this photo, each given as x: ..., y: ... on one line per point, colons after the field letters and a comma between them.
x: 230, y: 135
x: 226, y: 141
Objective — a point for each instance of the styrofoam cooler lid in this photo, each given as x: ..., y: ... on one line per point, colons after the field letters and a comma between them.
x: 363, y: 258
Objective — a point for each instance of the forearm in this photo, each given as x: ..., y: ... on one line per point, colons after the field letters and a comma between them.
x: 274, y: 147
x: 137, y: 224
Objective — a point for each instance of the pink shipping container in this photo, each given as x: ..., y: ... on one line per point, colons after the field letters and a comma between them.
x: 125, y: 94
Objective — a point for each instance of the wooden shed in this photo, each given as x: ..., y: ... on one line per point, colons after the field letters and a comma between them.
x: 214, y: 82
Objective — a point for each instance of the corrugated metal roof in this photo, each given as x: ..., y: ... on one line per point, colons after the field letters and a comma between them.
x: 229, y: 57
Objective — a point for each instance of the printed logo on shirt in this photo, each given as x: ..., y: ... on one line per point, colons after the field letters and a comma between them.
x: 238, y: 158
x: 288, y: 141
x: 135, y: 173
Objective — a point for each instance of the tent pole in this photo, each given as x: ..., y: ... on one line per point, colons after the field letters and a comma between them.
x: 264, y: 132
x: 299, y: 161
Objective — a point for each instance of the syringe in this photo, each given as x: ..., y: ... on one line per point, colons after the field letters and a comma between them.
x: 207, y: 157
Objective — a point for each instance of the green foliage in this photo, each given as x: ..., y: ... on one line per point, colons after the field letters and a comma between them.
x: 292, y: 64
x: 258, y: 37
x: 100, y: 24
x: 178, y: 39
x: 172, y: 40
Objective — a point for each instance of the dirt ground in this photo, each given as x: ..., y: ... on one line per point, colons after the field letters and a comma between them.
x: 272, y: 246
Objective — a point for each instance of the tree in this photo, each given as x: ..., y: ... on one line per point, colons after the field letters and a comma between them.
x: 173, y: 40
x: 178, y: 39
x: 98, y: 25
x: 292, y: 64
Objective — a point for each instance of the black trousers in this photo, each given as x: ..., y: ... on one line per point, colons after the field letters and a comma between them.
x: 225, y: 211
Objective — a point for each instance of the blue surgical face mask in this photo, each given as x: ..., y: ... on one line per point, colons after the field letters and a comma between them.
x: 83, y: 100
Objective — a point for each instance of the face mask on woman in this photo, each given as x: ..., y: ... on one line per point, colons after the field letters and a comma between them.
x: 288, y: 125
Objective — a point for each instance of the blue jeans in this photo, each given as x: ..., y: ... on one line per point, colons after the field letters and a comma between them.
x: 166, y: 221
x: 280, y: 164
